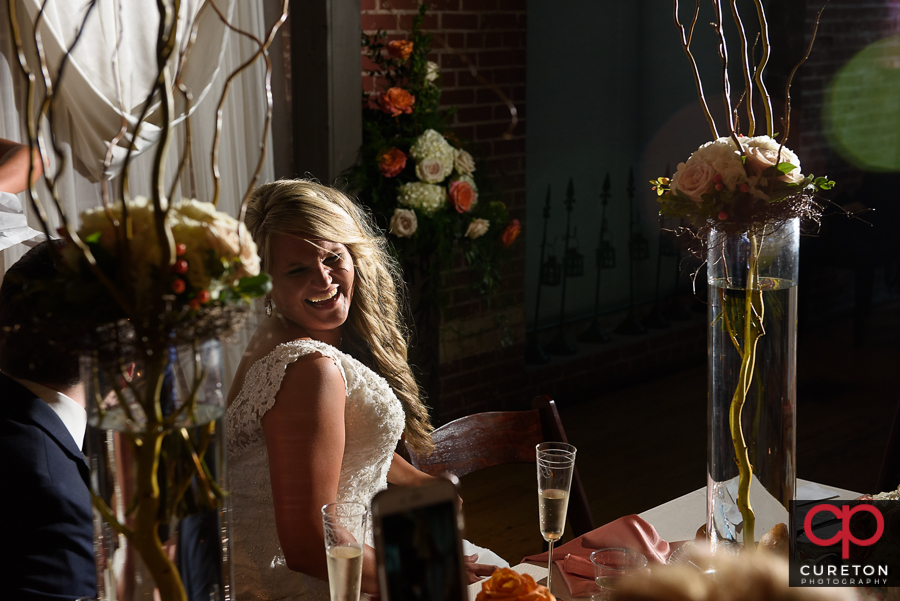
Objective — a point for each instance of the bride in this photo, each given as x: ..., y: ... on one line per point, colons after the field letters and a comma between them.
x: 322, y: 394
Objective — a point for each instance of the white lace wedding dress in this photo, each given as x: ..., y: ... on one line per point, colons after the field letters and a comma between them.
x: 373, y: 422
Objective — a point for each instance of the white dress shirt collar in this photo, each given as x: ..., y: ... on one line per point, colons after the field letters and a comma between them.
x: 73, y: 415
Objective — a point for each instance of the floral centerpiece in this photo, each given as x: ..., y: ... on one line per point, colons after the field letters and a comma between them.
x: 423, y: 186
x: 146, y: 289
x: 746, y: 195
x: 506, y: 584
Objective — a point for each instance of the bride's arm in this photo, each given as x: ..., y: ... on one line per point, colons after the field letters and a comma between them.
x: 404, y: 474
x: 304, y: 433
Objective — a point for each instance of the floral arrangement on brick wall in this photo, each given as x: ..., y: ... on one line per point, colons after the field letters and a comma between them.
x: 424, y: 188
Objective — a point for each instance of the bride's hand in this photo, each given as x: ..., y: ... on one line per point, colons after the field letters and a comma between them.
x: 477, y: 571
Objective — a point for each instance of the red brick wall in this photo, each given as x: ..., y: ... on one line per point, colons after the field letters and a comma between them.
x: 491, y: 35
x: 846, y: 27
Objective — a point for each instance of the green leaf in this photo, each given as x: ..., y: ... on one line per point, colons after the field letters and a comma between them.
x: 255, y: 286
x: 93, y: 238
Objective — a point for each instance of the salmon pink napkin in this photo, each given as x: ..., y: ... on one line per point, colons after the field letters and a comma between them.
x: 631, y: 532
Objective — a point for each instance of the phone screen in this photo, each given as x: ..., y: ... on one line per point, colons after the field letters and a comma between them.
x: 421, y: 560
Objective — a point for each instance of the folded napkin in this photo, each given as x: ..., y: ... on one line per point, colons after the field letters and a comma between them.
x: 631, y: 532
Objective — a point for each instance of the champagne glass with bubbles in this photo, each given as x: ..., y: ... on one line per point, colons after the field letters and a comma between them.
x: 345, y: 537
x: 555, y: 465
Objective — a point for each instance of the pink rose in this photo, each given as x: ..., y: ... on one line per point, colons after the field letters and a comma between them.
x: 694, y: 180
x: 760, y: 158
x: 430, y: 171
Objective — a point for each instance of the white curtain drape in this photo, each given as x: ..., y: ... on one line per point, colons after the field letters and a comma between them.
x: 87, y: 116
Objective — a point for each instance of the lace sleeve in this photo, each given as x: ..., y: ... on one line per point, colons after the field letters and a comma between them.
x: 263, y: 380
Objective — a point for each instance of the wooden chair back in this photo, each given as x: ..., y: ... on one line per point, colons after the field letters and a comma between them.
x: 483, y: 440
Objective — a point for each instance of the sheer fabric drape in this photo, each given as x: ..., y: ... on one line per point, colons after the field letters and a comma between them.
x: 87, y: 118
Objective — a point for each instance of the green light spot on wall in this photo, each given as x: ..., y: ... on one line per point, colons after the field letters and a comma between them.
x: 862, y: 107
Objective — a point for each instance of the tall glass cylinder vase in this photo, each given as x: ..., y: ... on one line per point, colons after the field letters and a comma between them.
x: 752, y: 278
x: 187, y: 543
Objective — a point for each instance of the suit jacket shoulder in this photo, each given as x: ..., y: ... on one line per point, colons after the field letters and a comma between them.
x: 49, y: 531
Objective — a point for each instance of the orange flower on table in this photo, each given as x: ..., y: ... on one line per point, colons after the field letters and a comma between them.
x: 462, y: 196
x: 508, y: 585
x: 511, y: 232
x: 391, y: 161
x: 400, y: 49
x: 396, y: 101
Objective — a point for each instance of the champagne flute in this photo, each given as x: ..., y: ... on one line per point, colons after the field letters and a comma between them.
x: 345, y: 537
x: 555, y: 465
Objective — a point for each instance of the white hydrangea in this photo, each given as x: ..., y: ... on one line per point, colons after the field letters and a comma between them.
x: 427, y: 198
x: 432, y: 145
x: 723, y: 156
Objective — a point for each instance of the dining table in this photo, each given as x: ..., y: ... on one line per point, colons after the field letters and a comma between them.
x: 675, y: 521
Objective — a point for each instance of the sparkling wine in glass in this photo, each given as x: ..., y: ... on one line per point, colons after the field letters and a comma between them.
x: 345, y: 536
x: 555, y: 465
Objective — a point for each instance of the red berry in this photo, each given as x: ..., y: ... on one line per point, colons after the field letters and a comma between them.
x: 180, y: 249
x: 178, y: 286
x: 180, y: 267
x: 203, y: 296
x: 194, y: 304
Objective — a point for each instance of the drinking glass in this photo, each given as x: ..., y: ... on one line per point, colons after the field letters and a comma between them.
x: 345, y: 536
x: 555, y: 464
x: 613, y: 564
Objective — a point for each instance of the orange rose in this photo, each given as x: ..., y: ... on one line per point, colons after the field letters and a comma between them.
x: 400, y: 49
x: 462, y: 196
x: 508, y: 585
x: 391, y: 161
x: 511, y: 232
x: 395, y: 101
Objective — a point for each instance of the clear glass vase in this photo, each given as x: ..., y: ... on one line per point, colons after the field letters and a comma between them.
x: 752, y: 278
x: 180, y: 412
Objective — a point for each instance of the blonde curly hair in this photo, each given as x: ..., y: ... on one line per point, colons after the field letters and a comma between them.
x: 374, y: 331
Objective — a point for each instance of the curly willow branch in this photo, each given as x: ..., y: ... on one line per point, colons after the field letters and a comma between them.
x: 745, y: 64
x: 686, y: 45
x: 262, y: 51
x: 787, y: 89
x: 764, y: 93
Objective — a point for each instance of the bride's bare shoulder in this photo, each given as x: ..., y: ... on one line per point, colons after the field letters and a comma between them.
x: 269, y: 334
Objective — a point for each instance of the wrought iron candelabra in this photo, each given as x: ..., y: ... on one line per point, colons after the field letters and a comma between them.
x: 549, y: 276
x: 606, y: 259
x: 676, y: 310
x: 638, y: 250
x: 573, y: 266
x: 664, y: 248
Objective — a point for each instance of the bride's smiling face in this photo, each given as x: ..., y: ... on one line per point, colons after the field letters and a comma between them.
x: 312, y: 284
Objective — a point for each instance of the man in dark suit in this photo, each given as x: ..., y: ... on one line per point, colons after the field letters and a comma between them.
x: 47, y: 548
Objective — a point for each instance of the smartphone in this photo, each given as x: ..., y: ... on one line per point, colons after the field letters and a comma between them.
x: 418, y: 543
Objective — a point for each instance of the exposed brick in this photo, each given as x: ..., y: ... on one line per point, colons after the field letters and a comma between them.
x: 500, y: 21
x: 374, y: 22
x: 479, y: 5
x: 430, y: 23
x: 459, y: 21
x: 366, y: 5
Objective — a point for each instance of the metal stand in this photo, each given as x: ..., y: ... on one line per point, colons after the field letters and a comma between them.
x: 676, y: 310
x: 561, y: 345
x: 638, y: 250
x: 549, y: 276
x: 606, y: 259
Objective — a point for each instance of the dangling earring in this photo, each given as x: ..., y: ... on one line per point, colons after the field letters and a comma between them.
x: 269, y: 306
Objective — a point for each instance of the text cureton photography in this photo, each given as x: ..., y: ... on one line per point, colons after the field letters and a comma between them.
x: 845, y: 543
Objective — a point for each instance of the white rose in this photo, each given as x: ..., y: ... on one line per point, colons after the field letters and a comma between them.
x: 404, y: 223
x: 762, y: 153
x: 430, y: 171
x: 464, y: 163
x: 477, y: 228
x: 432, y: 71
